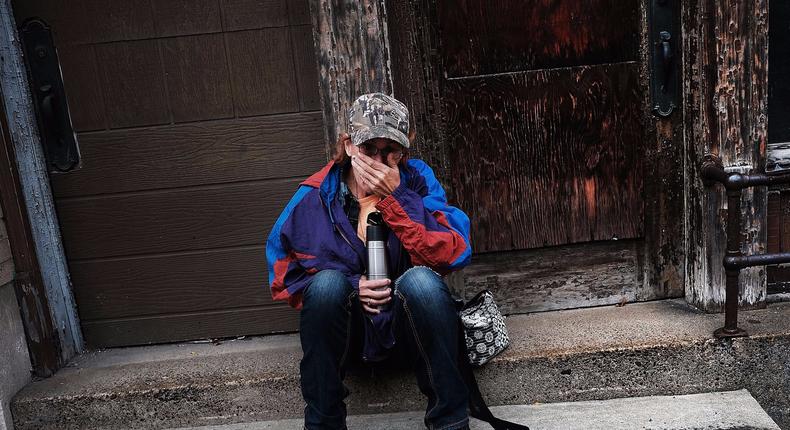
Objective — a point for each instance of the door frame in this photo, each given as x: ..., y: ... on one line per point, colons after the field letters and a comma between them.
x: 55, y: 311
x: 414, y: 50
x: 30, y: 292
x: 684, y: 233
x: 725, y: 112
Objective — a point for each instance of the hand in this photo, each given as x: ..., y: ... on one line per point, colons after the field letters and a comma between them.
x: 382, y: 179
x: 370, y: 297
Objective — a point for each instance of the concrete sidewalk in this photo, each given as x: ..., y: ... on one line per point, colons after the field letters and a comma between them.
x: 643, y: 349
x: 724, y: 411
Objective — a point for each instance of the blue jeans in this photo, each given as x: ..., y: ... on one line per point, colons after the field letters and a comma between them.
x: 426, y: 330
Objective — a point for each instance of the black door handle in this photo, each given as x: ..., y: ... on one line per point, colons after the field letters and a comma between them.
x: 57, y: 136
x: 666, y: 59
x: 664, y: 34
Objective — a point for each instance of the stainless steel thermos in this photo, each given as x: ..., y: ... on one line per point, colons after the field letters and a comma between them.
x: 376, y: 235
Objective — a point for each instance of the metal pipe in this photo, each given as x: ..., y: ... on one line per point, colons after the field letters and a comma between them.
x: 744, y: 261
x: 767, y: 180
x: 713, y: 170
x: 730, y: 328
x: 734, y: 261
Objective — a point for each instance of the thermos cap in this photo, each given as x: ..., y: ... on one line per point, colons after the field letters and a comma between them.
x: 376, y: 233
x: 377, y: 229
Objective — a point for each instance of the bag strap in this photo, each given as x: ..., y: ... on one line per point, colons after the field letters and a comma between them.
x: 477, y: 406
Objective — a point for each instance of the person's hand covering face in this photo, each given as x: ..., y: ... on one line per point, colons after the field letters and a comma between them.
x: 374, y: 176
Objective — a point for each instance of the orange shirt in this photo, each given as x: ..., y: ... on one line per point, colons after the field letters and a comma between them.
x: 366, y: 206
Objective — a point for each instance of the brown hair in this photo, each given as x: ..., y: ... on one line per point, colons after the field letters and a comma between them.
x: 340, y: 157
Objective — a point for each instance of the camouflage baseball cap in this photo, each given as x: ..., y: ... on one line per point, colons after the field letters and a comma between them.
x: 378, y: 115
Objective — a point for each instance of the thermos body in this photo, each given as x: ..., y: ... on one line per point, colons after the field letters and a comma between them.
x: 377, y: 260
x: 376, y: 247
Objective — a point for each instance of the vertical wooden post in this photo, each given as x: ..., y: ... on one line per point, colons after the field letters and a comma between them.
x: 663, y: 247
x: 414, y: 48
x: 353, y: 56
x: 42, y: 338
x: 34, y: 181
x: 725, y: 113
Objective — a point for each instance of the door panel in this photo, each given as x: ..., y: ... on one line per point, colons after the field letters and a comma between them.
x: 545, y: 106
x: 546, y: 158
x: 264, y: 77
x: 483, y: 37
x: 173, y: 220
x: 256, y: 148
x: 196, y: 65
x: 132, y: 82
x: 171, y: 283
x: 182, y: 17
x: 190, y: 325
x: 197, y: 120
x: 80, y: 69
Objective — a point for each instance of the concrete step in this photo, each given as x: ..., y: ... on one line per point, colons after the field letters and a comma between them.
x: 729, y: 410
x: 646, y: 349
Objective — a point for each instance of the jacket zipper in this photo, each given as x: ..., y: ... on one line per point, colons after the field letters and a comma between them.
x: 337, y: 229
x: 328, y: 206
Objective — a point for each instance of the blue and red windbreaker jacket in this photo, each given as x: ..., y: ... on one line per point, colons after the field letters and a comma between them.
x: 313, y: 233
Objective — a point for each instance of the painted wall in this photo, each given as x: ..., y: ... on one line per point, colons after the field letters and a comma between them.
x: 15, y: 365
x: 14, y: 358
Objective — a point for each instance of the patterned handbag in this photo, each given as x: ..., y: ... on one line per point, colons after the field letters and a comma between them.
x: 484, y: 328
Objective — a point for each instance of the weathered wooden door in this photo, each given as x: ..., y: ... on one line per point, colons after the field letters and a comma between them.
x: 544, y: 101
x: 196, y: 121
x: 543, y: 123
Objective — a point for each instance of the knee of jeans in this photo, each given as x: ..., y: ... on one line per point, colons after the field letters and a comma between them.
x: 328, y: 287
x: 421, y: 283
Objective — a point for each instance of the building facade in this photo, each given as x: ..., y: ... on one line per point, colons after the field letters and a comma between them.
x: 196, y: 120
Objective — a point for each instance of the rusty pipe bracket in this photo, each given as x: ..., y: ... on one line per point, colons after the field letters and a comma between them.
x: 713, y: 172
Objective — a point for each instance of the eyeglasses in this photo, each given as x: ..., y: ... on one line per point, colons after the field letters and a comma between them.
x: 372, y: 150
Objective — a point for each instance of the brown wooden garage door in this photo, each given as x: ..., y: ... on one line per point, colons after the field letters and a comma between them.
x: 196, y: 120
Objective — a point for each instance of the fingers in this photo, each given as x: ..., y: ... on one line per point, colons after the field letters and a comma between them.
x: 380, y: 178
x: 371, y: 305
x: 392, y: 160
x: 371, y: 298
x: 375, y: 294
x: 368, y: 167
x: 376, y: 179
x: 373, y: 283
x: 370, y: 309
x: 375, y: 302
x: 375, y: 289
x: 374, y: 164
x: 362, y: 174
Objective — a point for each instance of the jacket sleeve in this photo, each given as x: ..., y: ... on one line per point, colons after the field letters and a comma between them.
x: 434, y: 233
x: 291, y: 270
x: 287, y: 278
